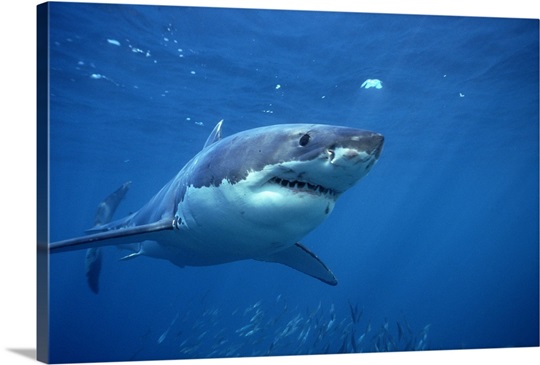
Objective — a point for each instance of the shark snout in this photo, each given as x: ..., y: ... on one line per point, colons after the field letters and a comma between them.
x: 366, y: 144
x: 363, y: 148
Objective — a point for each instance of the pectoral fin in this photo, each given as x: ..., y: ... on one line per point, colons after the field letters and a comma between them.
x: 300, y: 258
x: 152, y: 231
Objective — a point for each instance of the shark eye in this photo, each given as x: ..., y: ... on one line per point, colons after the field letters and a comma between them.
x: 304, y: 140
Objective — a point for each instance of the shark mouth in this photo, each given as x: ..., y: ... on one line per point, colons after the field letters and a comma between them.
x: 302, y: 186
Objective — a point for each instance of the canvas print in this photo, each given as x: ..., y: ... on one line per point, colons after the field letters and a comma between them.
x: 217, y: 183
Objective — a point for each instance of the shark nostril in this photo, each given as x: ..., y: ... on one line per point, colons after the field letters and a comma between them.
x: 331, y: 154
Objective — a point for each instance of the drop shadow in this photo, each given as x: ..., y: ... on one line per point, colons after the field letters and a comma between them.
x: 25, y: 352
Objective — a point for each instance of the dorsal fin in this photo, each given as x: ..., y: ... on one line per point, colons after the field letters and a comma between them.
x: 215, y: 135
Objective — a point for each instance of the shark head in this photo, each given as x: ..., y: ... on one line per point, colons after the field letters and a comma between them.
x: 317, y: 160
x: 275, y: 184
x: 299, y: 158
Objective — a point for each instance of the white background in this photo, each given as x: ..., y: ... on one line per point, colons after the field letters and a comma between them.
x: 18, y: 166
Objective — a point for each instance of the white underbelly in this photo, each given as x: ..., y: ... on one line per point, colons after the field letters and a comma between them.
x: 226, y: 224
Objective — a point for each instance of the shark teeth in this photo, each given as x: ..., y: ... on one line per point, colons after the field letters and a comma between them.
x: 302, y: 185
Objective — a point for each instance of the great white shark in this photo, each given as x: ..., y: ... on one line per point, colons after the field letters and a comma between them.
x: 252, y: 195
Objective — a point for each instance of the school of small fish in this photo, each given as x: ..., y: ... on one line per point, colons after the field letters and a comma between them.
x: 278, y: 329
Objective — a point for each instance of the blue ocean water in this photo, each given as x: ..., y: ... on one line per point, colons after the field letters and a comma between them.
x: 437, y: 248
